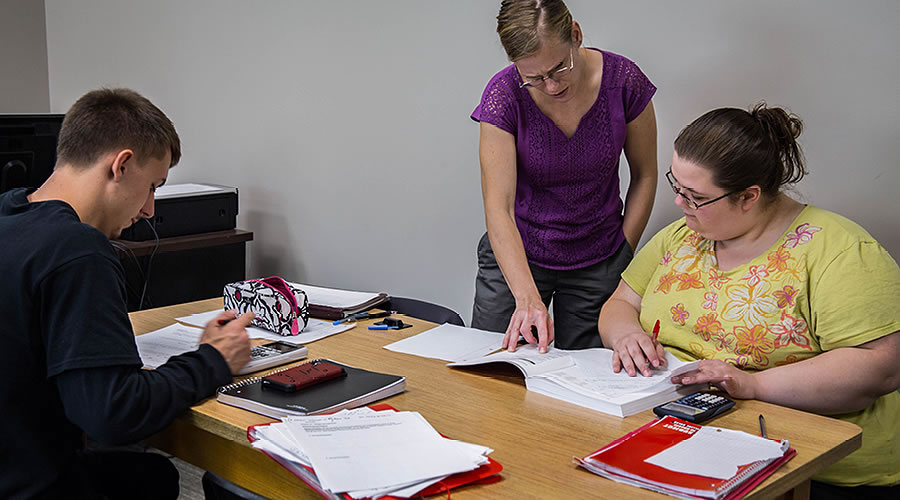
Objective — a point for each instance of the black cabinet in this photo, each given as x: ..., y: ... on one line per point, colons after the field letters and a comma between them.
x: 182, y: 268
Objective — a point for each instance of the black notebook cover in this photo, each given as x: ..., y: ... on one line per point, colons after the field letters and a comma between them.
x: 358, y: 388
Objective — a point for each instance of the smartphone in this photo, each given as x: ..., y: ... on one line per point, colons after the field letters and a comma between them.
x: 299, y: 377
x: 272, y: 354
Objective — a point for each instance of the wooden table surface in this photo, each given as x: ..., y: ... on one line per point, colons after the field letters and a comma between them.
x: 534, y: 436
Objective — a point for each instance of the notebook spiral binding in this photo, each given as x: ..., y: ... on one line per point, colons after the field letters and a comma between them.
x: 253, y: 380
x: 735, y: 481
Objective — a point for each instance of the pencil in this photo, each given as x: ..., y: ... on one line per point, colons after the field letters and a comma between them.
x: 656, y: 330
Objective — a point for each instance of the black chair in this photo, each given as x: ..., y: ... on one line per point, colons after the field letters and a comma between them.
x: 217, y: 488
x: 423, y: 310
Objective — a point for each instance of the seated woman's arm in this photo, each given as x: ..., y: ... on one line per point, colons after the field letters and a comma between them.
x: 633, y: 349
x: 842, y: 380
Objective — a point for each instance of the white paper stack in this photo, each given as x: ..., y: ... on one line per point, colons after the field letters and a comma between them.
x: 367, y: 453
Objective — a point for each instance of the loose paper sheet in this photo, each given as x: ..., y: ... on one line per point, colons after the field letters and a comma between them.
x: 316, y: 329
x: 716, y: 452
x: 376, y: 450
x: 155, y: 348
x: 449, y: 343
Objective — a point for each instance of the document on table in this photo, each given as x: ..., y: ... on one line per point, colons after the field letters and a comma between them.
x: 155, y: 348
x: 716, y: 452
x: 316, y: 329
x: 449, y: 343
x: 377, y: 450
x: 333, y: 297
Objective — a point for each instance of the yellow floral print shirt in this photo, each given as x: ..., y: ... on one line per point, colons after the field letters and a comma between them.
x: 825, y: 284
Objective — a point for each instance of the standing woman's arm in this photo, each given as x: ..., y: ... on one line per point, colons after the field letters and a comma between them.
x: 498, y: 186
x: 640, y: 151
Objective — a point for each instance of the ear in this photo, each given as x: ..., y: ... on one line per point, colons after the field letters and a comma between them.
x: 750, y: 197
x: 122, y: 161
x: 577, y: 35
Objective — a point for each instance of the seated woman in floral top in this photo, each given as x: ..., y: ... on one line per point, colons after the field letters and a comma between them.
x: 785, y: 303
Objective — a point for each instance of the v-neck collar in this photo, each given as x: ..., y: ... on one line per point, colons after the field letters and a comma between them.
x: 590, y: 110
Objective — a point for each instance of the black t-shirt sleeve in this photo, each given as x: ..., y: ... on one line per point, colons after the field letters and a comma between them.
x: 84, y: 317
x: 117, y: 404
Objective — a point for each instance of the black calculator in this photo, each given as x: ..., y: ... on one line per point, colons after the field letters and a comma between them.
x: 696, y: 407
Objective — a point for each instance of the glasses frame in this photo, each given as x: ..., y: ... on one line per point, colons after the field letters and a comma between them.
x: 687, y: 199
x: 541, y: 79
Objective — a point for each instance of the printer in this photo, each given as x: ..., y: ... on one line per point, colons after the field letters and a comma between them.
x: 183, y: 209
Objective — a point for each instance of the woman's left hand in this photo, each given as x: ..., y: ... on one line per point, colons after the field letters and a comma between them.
x: 738, y: 383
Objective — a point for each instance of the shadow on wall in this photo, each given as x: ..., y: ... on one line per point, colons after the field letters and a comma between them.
x: 276, y: 256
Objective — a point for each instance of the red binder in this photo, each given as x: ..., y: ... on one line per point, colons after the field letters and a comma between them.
x: 486, y: 474
x: 623, y: 461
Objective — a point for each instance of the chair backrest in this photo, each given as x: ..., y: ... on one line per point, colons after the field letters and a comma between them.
x: 424, y: 310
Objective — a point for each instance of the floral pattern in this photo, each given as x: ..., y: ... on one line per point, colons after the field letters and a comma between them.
x: 747, y: 316
x: 801, y: 235
x: 679, y: 315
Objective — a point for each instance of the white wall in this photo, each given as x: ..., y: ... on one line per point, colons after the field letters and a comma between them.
x: 23, y: 57
x: 345, y: 123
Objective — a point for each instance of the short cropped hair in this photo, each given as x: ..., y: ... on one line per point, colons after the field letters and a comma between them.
x: 107, y: 120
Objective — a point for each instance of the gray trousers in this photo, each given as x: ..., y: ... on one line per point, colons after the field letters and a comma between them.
x: 576, y: 295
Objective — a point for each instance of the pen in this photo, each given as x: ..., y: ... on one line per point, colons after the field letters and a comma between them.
x: 352, y: 317
x: 364, y: 315
x: 762, y: 427
x: 656, y: 330
x: 383, y: 327
x: 223, y: 322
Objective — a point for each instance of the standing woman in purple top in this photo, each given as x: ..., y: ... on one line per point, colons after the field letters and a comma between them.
x: 553, y: 126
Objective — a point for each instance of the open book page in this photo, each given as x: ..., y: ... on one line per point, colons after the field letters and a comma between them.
x: 526, y: 358
x: 591, y: 374
x: 333, y: 297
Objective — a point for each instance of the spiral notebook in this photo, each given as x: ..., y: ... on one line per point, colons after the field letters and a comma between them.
x: 624, y: 461
x: 358, y: 388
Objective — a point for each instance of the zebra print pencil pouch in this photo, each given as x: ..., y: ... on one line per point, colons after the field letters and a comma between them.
x: 278, y: 306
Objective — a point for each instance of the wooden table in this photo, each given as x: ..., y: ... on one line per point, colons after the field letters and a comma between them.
x: 534, y: 436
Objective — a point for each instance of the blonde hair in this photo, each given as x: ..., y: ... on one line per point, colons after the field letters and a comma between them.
x: 521, y: 25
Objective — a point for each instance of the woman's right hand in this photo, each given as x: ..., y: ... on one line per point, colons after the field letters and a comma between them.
x: 636, y: 351
x: 529, y: 318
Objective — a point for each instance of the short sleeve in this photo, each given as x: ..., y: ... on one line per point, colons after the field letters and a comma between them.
x: 641, y: 269
x: 498, y: 104
x: 856, y: 299
x: 85, y: 321
x: 637, y: 90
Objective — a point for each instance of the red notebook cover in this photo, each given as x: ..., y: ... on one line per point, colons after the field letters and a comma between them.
x: 623, y: 459
x: 487, y: 473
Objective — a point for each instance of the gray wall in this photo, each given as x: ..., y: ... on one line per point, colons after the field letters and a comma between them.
x: 345, y: 123
x: 23, y: 57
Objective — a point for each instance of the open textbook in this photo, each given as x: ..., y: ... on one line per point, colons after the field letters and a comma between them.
x: 586, y: 378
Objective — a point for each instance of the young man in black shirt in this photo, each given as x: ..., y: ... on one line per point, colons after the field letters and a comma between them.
x: 69, y: 362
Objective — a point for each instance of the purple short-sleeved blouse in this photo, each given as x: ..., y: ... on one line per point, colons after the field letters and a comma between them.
x: 568, y: 210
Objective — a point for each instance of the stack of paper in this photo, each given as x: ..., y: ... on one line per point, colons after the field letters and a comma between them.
x: 366, y: 453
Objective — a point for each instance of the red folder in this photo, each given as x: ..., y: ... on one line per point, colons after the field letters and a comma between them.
x: 623, y: 461
x: 486, y: 474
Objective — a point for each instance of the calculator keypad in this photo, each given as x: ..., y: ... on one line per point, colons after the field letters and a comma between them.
x: 704, y: 401
x: 262, y: 351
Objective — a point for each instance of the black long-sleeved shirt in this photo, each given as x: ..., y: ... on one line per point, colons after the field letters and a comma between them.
x: 68, y: 359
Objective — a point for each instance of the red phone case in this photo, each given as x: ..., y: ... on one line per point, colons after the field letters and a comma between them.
x: 305, y: 375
